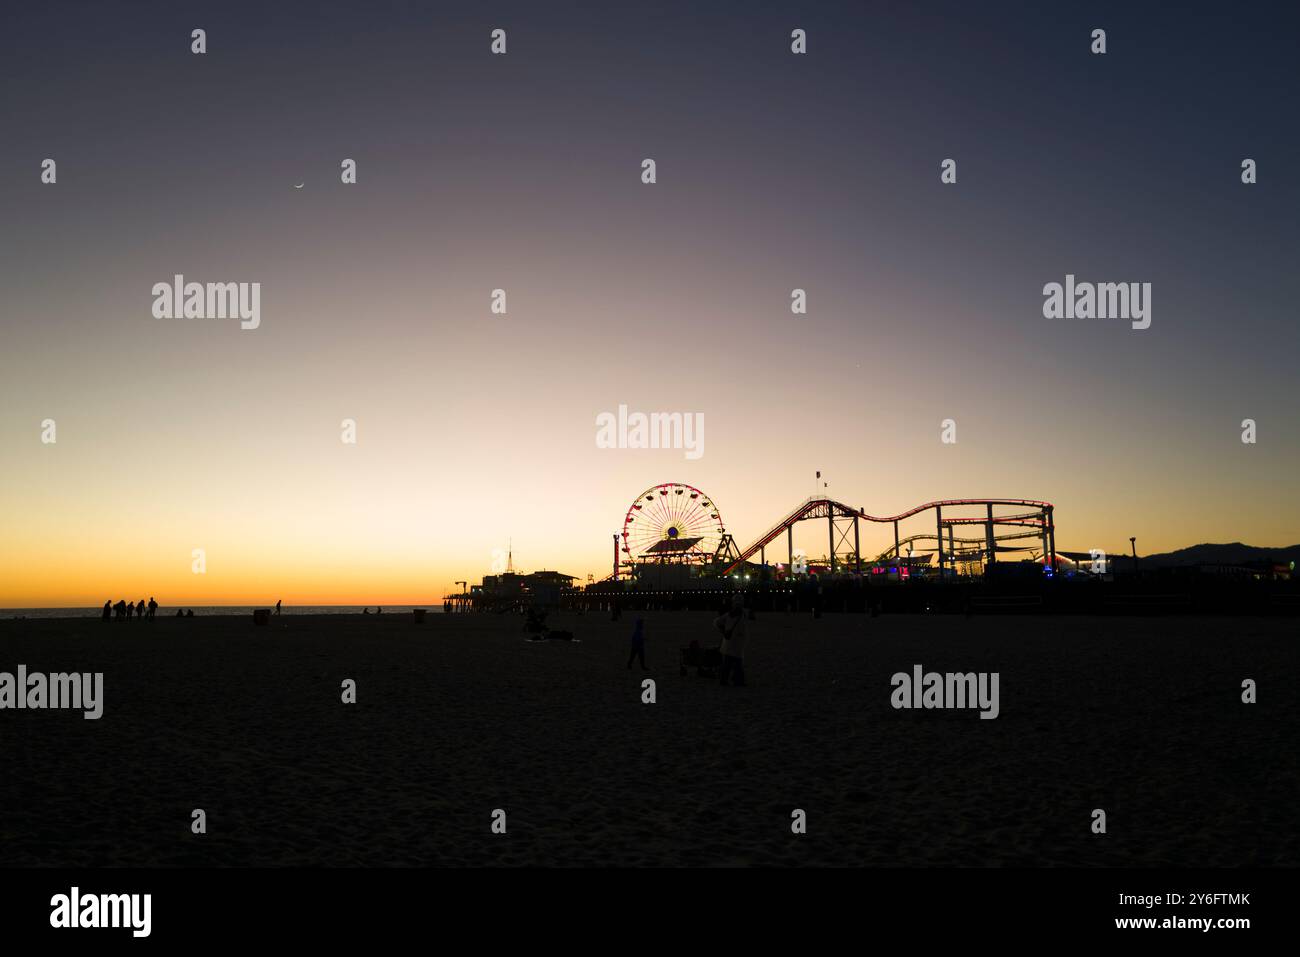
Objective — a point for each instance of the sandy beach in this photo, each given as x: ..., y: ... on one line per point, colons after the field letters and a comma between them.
x: 461, y: 715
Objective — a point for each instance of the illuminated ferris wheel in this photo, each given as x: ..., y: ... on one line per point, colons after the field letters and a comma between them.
x: 671, y: 522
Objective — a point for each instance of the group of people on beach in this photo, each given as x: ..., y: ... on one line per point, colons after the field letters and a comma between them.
x: 730, y: 625
x: 125, y: 609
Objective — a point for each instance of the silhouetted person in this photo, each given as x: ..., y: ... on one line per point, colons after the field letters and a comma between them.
x: 139, y: 608
x: 277, y: 606
x: 379, y: 610
x: 108, y: 609
x: 120, y: 608
x: 535, y: 621
x: 189, y: 612
x: 179, y: 613
x: 638, y: 643
x: 366, y: 610
x: 732, y: 626
x: 153, y: 607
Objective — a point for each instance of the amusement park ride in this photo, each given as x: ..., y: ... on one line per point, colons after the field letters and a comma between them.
x: 677, y: 526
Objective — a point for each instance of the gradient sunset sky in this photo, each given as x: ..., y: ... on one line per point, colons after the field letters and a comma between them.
x: 522, y: 172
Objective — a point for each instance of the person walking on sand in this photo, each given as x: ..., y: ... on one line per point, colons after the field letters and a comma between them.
x: 732, y: 626
x: 108, y: 609
x: 277, y: 606
x: 638, y: 643
x: 153, y: 608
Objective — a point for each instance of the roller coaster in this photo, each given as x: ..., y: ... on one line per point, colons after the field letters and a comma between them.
x: 843, y: 532
x: 677, y: 523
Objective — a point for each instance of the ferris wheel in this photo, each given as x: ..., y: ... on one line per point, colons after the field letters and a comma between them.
x: 671, y: 522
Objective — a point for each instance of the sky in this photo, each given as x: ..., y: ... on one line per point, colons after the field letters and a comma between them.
x: 523, y: 172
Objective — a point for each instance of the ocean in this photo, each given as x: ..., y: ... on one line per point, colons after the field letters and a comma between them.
x: 165, y: 611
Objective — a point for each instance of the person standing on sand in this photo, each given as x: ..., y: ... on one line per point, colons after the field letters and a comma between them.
x: 732, y: 626
x: 108, y: 609
x: 277, y: 605
x: 153, y: 608
x: 638, y: 643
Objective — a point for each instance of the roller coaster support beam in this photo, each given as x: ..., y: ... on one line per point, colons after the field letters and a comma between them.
x: 938, y: 537
x: 1051, y: 534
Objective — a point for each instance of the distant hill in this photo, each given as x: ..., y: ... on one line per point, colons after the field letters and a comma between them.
x: 1234, y: 553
